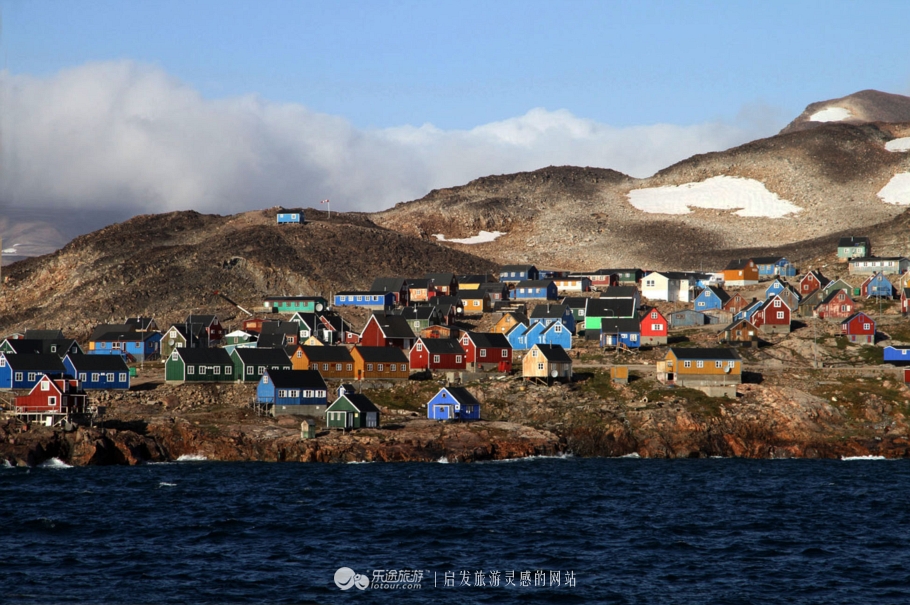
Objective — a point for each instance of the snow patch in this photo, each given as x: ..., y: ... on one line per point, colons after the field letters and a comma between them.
x: 9, y: 251
x: 751, y: 197
x: 901, y: 144
x: 484, y: 237
x: 897, y: 191
x: 830, y: 114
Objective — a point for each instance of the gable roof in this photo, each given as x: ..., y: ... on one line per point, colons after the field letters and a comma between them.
x: 442, y: 346
x: 44, y: 334
x: 297, y: 379
x: 535, y: 283
x: 615, y: 307
x: 702, y: 354
x: 554, y: 353
x: 550, y: 311
x: 516, y: 268
x: 205, y: 320
x: 834, y: 293
x: 852, y: 241
x: 98, y: 363
x: 32, y: 362
x: 381, y: 354
x: 855, y: 316
x: 328, y: 354
x: 392, y: 326
x: 360, y: 402
x: 739, y: 263
x: 205, y: 356
x: 619, y: 292
x: 140, y: 323
x: 620, y: 324
x: 101, y: 330
x: 719, y: 293
x: 419, y: 284
x: 264, y: 357
x: 389, y: 284
x: 575, y: 302
x: 443, y: 279
x: 459, y: 394
x: 489, y: 340
x: 767, y: 260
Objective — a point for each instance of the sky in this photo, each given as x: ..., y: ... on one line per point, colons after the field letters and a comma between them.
x: 223, y: 106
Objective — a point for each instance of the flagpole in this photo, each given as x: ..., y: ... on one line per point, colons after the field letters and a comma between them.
x: 329, y: 207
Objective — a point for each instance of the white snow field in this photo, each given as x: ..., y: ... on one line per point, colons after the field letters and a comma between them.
x: 751, y: 197
x: 484, y: 237
x: 902, y: 144
x: 830, y: 114
x: 897, y: 191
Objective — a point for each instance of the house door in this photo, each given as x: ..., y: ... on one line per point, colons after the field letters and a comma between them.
x: 371, y: 420
x: 442, y: 412
x: 349, y: 420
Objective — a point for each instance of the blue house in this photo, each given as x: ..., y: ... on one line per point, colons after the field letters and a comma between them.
x: 620, y: 332
x: 712, y: 297
x: 518, y: 273
x: 685, y: 318
x: 300, y: 392
x: 518, y: 337
x: 897, y: 354
x: 549, y: 314
x: 381, y: 301
x: 24, y: 371
x: 878, y: 285
x: 536, y: 289
x: 774, y: 265
x: 290, y: 217
x: 98, y: 371
x: 129, y: 344
x: 774, y: 288
x: 453, y: 403
x: 748, y: 310
x: 555, y: 334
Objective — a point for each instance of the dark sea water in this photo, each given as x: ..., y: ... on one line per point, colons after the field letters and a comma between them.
x: 611, y: 530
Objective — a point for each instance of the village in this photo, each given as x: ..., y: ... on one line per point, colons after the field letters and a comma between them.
x: 321, y: 361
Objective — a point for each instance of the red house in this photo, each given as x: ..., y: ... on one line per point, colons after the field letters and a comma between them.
x: 485, y: 350
x: 859, y: 327
x: 437, y: 354
x: 773, y: 316
x: 812, y: 281
x: 387, y: 331
x: 49, y: 396
x: 836, y: 305
x: 654, y: 328
x: 736, y: 303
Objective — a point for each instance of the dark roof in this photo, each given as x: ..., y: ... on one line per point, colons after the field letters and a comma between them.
x: 418, y: 284
x: 103, y: 329
x: 610, y: 325
x: 832, y: 294
x: 473, y: 294
x: 535, y: 283
x: 310, y: 320
x: 851, y: 241
x: 519, y: 317
x: 505, y: 268
x: 205, y: 356
x: 292, y: 298
x: 393, y: 326
x: 26, y: 346
x: 442, y: 279
x: 271, y: 341
x: 417, y: 312
x: 461, y: 395
x: 575, y: 302
x: 472, y: 279
x: 550, y: 311
x: 360, y: 401
x: 722, y: 354
x: 554, y: 353
x: 280, y: 327
x: 619, y: 292
x: 44, y: 334
x: 442, y: 346
x: 438, y: 301
x: 719, y: 293
x: 388, y: 284
x: 382, y: 354
x: 297, y: 379
x: 98, y: 363
x: 263, y: 356
x: 205, y: 320
x: 740, y: 263
x: 489, y: 340
x: 875, y: 258
x: 382, y: 293
x: 35, y: 362
x: 333, y: 354
x: 767, y: 260
x: 140, y: 323
x: 615, y: 307
x: 127, y: 336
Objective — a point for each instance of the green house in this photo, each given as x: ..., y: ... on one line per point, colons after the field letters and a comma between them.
x: 251, y: 364
x: 198, y: 365
x: 352, y: 411
x: 295, y: 304
x: 853, y: 247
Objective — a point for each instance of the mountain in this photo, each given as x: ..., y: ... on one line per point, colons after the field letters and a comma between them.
x: 860, y: 107
x: 169, y: 265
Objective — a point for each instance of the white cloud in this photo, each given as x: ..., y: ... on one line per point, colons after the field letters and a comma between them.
x: 122, y: 134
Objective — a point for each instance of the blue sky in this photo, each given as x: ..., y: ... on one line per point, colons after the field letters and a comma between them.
x: 408, y: 95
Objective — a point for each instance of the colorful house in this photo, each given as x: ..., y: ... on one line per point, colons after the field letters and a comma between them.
x: 199, y: 365
x: 686, y: 318
x: 573, y: 283
x: 475, y: 302
x: 775, y: 287
x: 671, y: 286
x: 859, y: 327
x: 697, y: 367
x: 905, y: 300
x: 737, y: 303
x: 774, y: 265
x: 387, y: 331
x: 292, y: 304
x: 518, y: 336
x: 812, y: 281
x: 837, y: 305
x: 98, y: 371
x: 553, y: 334
x: 878, y: 286
x: 741, y: 272
x: 396, y: 285
x: 577, y: 305
x: 620, y: 332
x: 749, y: 310
x: 606, y: 308
x: 546, y: 362
x: 654, y: 328
x: 487, y: 350
x: 437, y: 354
x: 371, y: 300
x: 386, y: 363
x: 445, y: 283
x: 300, y: 392
x: 869, y: 265
x: 740, y: 331
x: 214, y: 331
x: 712, y: 297
x: 453, y: 403
x: 352, y: 411
x: 52, y: 397
x: 23, y: 371
x: 853, y: 247
x: 513, y: 274
x: 540, y: 289
x: 31, y: 346
x: 551, y: 313
x: 421, y: 290
x: 773, y: 317
x: 128, y: 343
x: 334, y: 362
x: 509, y: 320
x: 896, y: 354
x: 284, y: 218
x: 623, y: 292
x: 251, y: 364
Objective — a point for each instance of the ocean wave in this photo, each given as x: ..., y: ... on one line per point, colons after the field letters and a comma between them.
x: 529, y: 458
x: 633, y: 456
x: 166, y: 484
x: 443, y: 460
x: 7, y: 464
x: 192, y: 458
x: 863, y: 458
x: 54, y: 463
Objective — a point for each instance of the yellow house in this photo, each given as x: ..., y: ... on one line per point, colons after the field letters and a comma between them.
x: 687, y: 367
x: 380, y: 362
x: 509, y: 320
x: 476, y: 302
x: 546, y: 362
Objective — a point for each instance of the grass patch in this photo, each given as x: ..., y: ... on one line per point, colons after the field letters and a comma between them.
x: 600, y: 384
x: 853, y: 396
x: 410, y: 397
x: 871, y: 355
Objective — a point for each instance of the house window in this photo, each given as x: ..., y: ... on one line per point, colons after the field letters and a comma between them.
x: 53, y: 348
x: 116, y: 345
x: 458, y: 359
x: 483, y: 352
x: 419, y: 347
x: 633, y: 337
x: 349, y: 367
x: 718, y: 364
x: 686, y: 364
x: 699, y: 364
x: 540, y: 366
x: 558, y: 329
x: 261, y: 370
x: 2, y: 362
x: 325, y: 367
x: 379, y: 367
x: 45, y: 385
x: 534, y: 353
x: 202, y: 369
x: 369, y: 367
x: 649, y: 283
x: 393, y: 367
x: 656, y: 327
x: 95, y: 377
x: 435, y: 358
x: 216, y: 370
x: 228, y: 370
x: 122, y: 377
x: 190, y: 370
x: 82, y: 376
x: 52, y: 401
x: 505, y: 353
x: 110, y: 377
x: 867, y: 326
x: 18, y: 377
x: 777, y: 303
x: 337, y: 367
x: 843, y: 308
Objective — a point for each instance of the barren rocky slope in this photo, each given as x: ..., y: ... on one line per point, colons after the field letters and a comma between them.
x: 863, y: 107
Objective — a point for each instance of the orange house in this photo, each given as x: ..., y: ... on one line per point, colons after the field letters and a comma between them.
x: 509, y: 320
x: 741, y: 272
x: 389, y: 363
x: 331, y: 361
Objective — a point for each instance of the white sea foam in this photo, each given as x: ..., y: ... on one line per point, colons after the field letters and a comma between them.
x: 831, y: 114
x: 359, y: 462
x: 529, y: 458
x: 191, y: 458
x: 863, y: 458
x: 633, y: 455
x: 443, y: 460
x: 55, y: 463
x: 166, y: 484
x: 6, y: 464
x: 897, y: 191
x: 747, y: 196
x: 898, y: 145
x: 484, y: 237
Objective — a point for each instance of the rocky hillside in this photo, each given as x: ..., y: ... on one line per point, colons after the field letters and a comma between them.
x: 168, y: 265
x: 860, y: 107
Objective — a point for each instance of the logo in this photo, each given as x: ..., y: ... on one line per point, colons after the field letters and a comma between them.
x: 346, y: 578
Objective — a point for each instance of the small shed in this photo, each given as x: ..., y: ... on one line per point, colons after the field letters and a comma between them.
x: 290, y: 217
x: 619, y: 374
x: 307, y: 430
